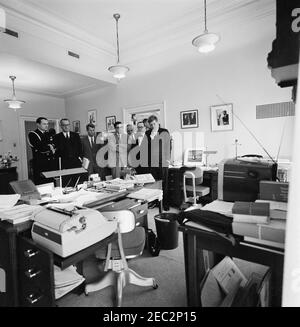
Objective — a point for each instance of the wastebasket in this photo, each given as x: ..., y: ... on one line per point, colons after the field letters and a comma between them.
x: 167, y: 230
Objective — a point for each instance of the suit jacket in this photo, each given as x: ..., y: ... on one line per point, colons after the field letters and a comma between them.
x: 69, y: 150
x: 159, y: 148
x: 88, y: 151
x: 39, y: 143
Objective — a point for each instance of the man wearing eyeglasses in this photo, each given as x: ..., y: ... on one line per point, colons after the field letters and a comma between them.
x: 69, y: 149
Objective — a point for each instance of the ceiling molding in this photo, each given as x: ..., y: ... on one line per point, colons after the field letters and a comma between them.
x: 33, y: 15
x: 189, y: 24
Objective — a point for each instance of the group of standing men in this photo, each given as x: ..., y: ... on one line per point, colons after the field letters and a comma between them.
x: 147, y: 150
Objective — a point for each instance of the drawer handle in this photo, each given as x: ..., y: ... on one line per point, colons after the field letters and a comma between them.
x: 32, y: 298
x: 30, y: 273
x: 141, y: 212
x: 30, y: 253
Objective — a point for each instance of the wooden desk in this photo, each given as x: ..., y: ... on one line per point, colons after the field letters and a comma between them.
x: 19, y: 254
x: 7, y: 175
x: 196, y: 240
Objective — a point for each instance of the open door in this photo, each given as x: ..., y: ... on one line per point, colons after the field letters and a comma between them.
x: 28, y: 124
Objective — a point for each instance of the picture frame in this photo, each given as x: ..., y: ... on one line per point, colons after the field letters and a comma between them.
x: 144, y: 111
x: 109, y: 122
x: 76, y: 126
x: 189, y: 119
x: 221, y: 117
x: 92, y: 117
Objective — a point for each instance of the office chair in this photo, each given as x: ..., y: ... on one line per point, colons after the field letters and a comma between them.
x: 192, y: 180
x: 129, y: 245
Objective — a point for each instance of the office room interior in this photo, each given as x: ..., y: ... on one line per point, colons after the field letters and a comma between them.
x: 61, y: 54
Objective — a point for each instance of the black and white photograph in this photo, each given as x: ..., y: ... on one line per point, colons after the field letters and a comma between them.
x: 76, y: 126
x: 221, y: 117
x: 92, y: 117
x: 149, y: 158
x: 110, y: 121
x: 189, y: 119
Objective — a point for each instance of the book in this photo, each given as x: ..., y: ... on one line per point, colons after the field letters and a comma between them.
x: 251, y: 219
x: 251, y: 212
x: 278, y: 210
x: 274, y: 231
x: 251, y: 208
x: 274, y: 191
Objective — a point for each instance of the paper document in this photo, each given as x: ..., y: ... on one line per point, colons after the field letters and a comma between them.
x: 20, y: 211
x: 8, y: 201
x: 147, y: 194
x: 66, y: 280
x: 228, y: 275
x: 218, y: 206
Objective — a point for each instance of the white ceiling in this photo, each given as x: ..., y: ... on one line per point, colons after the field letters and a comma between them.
x: 44, y: 79
x: 153, y: 34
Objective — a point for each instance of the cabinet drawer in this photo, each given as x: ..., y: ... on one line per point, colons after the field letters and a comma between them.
x: 35, y: 274
x: 140, y: 211
x: 142, y: 222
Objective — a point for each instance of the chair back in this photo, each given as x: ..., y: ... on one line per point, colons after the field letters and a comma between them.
x: 125, y: 218
x: 196, y: 174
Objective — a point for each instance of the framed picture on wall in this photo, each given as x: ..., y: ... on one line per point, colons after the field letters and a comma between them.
x: 92, y: 117
x: 221, y: 117
x: 76, y: 126
x: 189, y: 119
x: 110, y: 121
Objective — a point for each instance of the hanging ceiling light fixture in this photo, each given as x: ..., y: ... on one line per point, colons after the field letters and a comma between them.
x: 118, y: 71
x: 13, y: 103
x: 206, y: 42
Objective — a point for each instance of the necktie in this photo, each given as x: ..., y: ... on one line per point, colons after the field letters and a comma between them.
x: 92, y: 141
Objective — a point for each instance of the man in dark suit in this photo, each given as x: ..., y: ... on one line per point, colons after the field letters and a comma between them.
x: 90, y: 149
x: 159, y: 155
x: 69, y: 149
x: 42, y: 150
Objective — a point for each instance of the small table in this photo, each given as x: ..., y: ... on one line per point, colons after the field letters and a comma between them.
x: 196, y: 240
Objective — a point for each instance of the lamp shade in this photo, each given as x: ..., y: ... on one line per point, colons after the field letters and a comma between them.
x: 118, y: 71
x: 14, y: 103
x: 206, y: 42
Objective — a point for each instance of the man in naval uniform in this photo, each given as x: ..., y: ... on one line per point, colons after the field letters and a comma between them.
x: 42, y: 150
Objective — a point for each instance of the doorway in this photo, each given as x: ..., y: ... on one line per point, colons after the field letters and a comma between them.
x: 28, y: 124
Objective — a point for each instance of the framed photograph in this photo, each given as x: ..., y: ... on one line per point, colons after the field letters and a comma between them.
x: 110, y: 120
x: 92, y: 117
x: 221, y: 117
x: 76, y: 126
x: 133, y: 115
x: 189, y: 119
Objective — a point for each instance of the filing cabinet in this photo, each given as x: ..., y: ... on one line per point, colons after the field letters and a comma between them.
x: 175, y: 186
x: 36, y: 275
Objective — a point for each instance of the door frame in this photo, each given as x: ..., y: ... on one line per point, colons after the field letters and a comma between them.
x: 23, y: 141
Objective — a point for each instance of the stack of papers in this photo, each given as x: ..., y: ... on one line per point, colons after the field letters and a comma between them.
x: 20, y: 213
x: 66, y: 280
x: 225, y: 208
x: 119, y: 184
x: 8, y: 201
x: 147, y: 194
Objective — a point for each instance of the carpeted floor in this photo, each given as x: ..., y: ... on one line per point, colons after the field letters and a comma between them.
x: 167, y: 269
